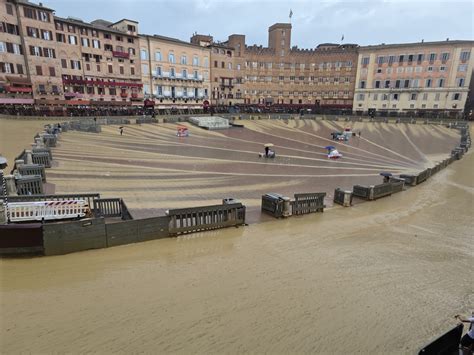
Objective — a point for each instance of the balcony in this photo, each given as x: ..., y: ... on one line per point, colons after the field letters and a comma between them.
x: 18, y: 89
x: 123, y: 55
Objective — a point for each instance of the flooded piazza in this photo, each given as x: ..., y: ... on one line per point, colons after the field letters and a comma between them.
x: 381, y: 277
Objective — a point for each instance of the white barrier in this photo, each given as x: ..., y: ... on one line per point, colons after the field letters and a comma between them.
x: 210, y: 122
x: 47, y: 210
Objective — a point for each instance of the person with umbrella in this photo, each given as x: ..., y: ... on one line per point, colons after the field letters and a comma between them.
x: 386, y: 176
x: 121, y: 130
x: 268, y: 152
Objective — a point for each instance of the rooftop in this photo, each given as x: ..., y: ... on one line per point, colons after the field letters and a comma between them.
x: 418, y: 44
x: 99, y: 24
x: 38, y: 6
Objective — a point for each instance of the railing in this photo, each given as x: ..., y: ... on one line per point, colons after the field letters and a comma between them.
x: 273, y: 204
x: 111, y: 207
x: 361, y: 191
x: 342, y: 197
x: 32, y: 169
x: 42, y: 158
x: 49, y: 140
x: 29, y: 185
x: 196, y: 219
x: 425, y: 174
x: 308, y: 203
x: 89, y: 198
x: 381, y: 190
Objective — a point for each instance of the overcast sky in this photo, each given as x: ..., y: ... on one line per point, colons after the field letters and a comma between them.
x: 362, y: 22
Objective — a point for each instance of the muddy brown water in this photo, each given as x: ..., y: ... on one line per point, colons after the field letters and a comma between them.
x: 381, y: 277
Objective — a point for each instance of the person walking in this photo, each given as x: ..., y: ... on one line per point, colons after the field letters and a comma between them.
x: 121, y: 131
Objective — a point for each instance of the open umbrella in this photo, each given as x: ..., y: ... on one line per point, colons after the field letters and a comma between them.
x: 120, y: 127
x: 268, y: 145
x: 329, y: 147
x: 386, y: 174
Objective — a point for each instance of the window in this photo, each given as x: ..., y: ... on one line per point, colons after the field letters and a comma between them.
x: 389, y: 70
x: 75, y: 64
x: 442, y: 68
x: 143, y: 54
x: 158, y: 71
x: 395, y: 97
x: 30, y: 13
x: 406, y: 83
x: 132, y: 71
x: 196, y: 60
x: 184, y: 60
x: 98, y: 67
x: 362, y: 84
x: 437, y: 96
x: 52, y: 72
x: 36, y: 51
x: 376, y: 96
x: 397, y: 84
x: 119, y: 38
x: 420, y: 58
x: 399, y: 70
x: 433, y: 57
x: 365, y: 60
x: 72, y: 39
x: 401, y: 58
x: 465, y: 55
x: 377, y: 84
x: 49, y: 52
x: 60, y: 37
x: 459, y: 82
x: 428, y: 83
x: 418, y: 69
x: 384, y: 97
x: 95, y: 43
x: 440, y: 82
x: 361, y: 97
x: 64, y: 63
x: 85, y: 42
x: 462, y: 67
x: 429, y: 69
x: 425, y: 96
x: 196, y: 74
x: 32, y: 32
x: 171, y: 58
x: 444, y: 57
x: 415, y: 83
x: 158, y: 56
x: 387, y: 84
x: 107, y: 36
x: 380, y: 60
x: 43, y: 16
x: 145, y: 69
x: 2, y: 47
x: 39, y: 70
x: 47, y: 35
x: 413, y: 97
x: 222, y: 65
x: 410, y: 58
x: 9, y: 9
x: 121, y: 70
x: 185, y: 74
x: 110, y: 69
x: 456, y: 96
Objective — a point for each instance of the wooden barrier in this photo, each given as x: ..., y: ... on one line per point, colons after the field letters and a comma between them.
x: 111, y: 207
x: 41, y: 158
x: 308, y: 203
x: 21, y: 239
x: 446, y: 344
x: 273, y: 204
x: 423, y: 176
x: 397, y: 186
x: 29, y: 185
x: 69, y: 237
x: 361, y: 192
x: 187, y: 220
x: 381, y: 190
x: 342, y: 197
x: 49, y: 140
x: 43, y: 150
x: 32, y: 169
x: 409, y: 179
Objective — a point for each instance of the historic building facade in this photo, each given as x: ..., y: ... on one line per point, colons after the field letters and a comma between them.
x: 288, y: 76
x: 415, y: 78
x: 175, y: 74
x: 48, y: 60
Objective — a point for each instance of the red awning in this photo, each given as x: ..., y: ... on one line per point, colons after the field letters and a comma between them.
x: 11, y: 101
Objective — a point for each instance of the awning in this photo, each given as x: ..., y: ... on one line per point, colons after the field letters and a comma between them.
x: 18, y: 80
x: 10, y: 101
x: 110, y: 103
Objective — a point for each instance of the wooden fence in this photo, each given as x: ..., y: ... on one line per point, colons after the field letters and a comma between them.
x: 32, y: 169
x: 29, y: 185
x: 187, y: 220
x: 308, y: 203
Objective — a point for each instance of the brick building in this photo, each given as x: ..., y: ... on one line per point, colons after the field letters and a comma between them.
x: 415, y: 78
x: 175, y: 74
x: 54, y: 61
